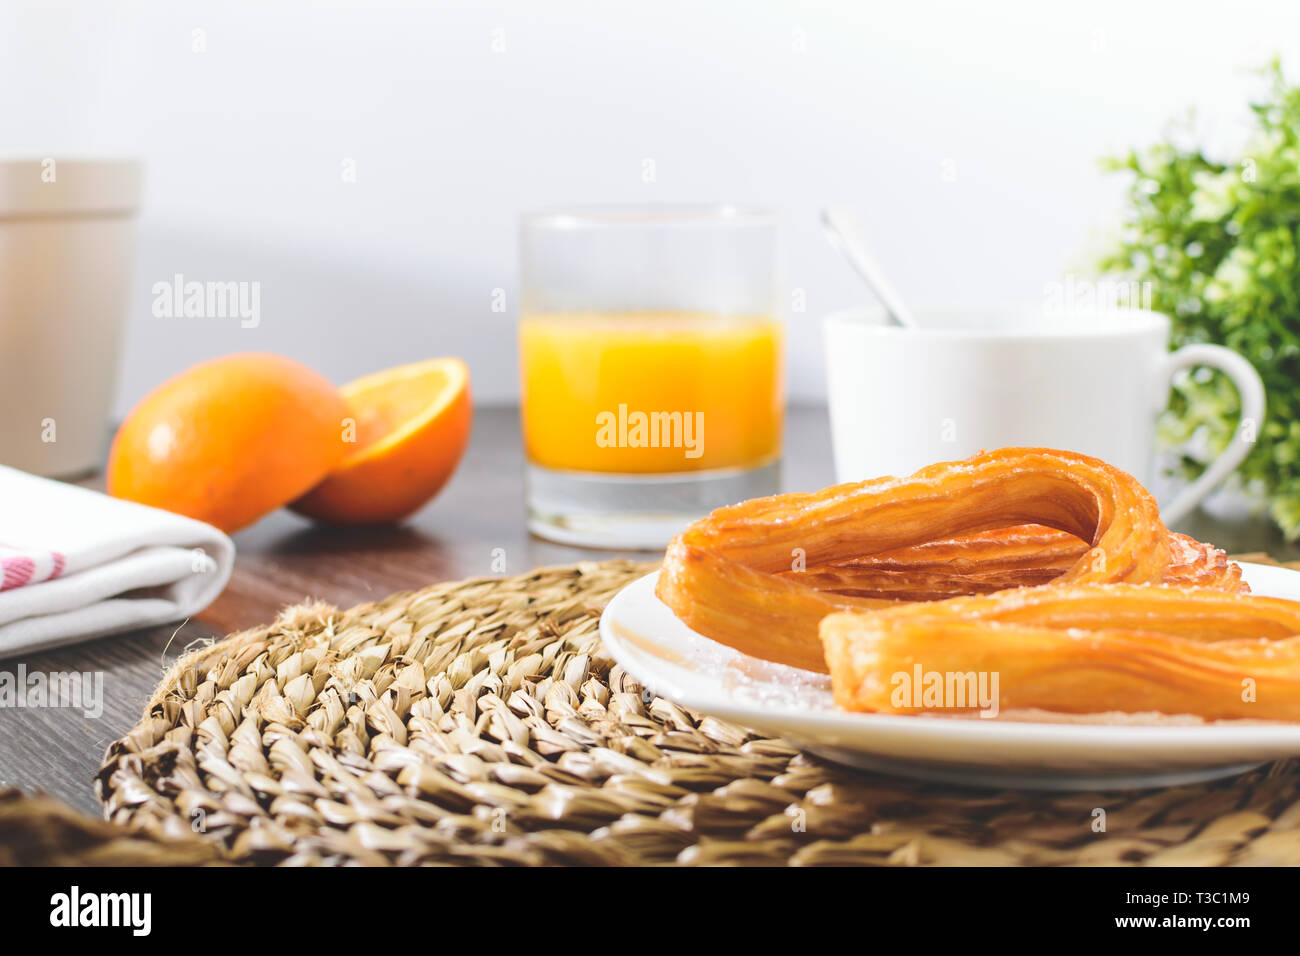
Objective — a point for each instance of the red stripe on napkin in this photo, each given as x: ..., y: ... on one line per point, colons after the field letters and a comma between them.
x: 18, y: 571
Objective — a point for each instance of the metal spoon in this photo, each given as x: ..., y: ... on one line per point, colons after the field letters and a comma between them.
x: 844, y: 236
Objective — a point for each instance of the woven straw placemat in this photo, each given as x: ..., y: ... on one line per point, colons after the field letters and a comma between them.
x: 42, y: 831
x: 481, y: 722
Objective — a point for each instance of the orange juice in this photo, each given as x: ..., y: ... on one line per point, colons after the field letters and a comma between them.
x: 650, y: 392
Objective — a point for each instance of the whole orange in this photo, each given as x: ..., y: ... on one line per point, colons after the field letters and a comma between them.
x: 412, y: 424
x: 229, y: 440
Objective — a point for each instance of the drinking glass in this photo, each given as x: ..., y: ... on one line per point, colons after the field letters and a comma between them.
x: 651, y: 368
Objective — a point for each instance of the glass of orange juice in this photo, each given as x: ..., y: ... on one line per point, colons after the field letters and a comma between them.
x: 650, y: 355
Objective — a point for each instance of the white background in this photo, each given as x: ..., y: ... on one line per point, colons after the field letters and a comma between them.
x: 784, y: 104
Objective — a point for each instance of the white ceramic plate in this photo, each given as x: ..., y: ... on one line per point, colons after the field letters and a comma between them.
x: 671, y: 660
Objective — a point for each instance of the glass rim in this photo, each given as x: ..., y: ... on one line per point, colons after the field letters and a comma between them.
x: 648, y: 214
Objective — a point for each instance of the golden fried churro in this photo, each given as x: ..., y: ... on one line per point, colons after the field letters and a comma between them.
x: 1080, y: 649
x: 1048, y: 569
x: 728, y: 575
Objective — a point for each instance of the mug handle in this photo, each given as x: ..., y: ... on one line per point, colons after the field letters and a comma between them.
x: 1250, y: 389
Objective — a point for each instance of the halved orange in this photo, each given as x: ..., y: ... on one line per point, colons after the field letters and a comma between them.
x: 412, y: 426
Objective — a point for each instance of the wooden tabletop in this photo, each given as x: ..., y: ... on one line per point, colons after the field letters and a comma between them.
x: 284, y: 560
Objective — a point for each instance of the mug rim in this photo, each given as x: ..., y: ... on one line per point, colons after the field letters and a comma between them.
x: 872, y: 321
x: 649, y: 215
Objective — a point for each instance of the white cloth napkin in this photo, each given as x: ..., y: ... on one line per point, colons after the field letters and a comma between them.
x: 78, y: 564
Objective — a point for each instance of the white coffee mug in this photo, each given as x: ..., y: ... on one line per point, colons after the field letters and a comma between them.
x: 903, y: 398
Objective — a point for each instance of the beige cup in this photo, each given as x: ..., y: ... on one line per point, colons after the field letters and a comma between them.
x: 67, y: 247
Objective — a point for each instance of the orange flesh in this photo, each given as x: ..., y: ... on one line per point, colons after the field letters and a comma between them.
x: 386, y: 408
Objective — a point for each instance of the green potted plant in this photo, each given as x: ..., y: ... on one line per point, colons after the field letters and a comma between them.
x: 1216, y: 239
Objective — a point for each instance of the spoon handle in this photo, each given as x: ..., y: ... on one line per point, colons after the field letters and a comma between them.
x: 843, y: 234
